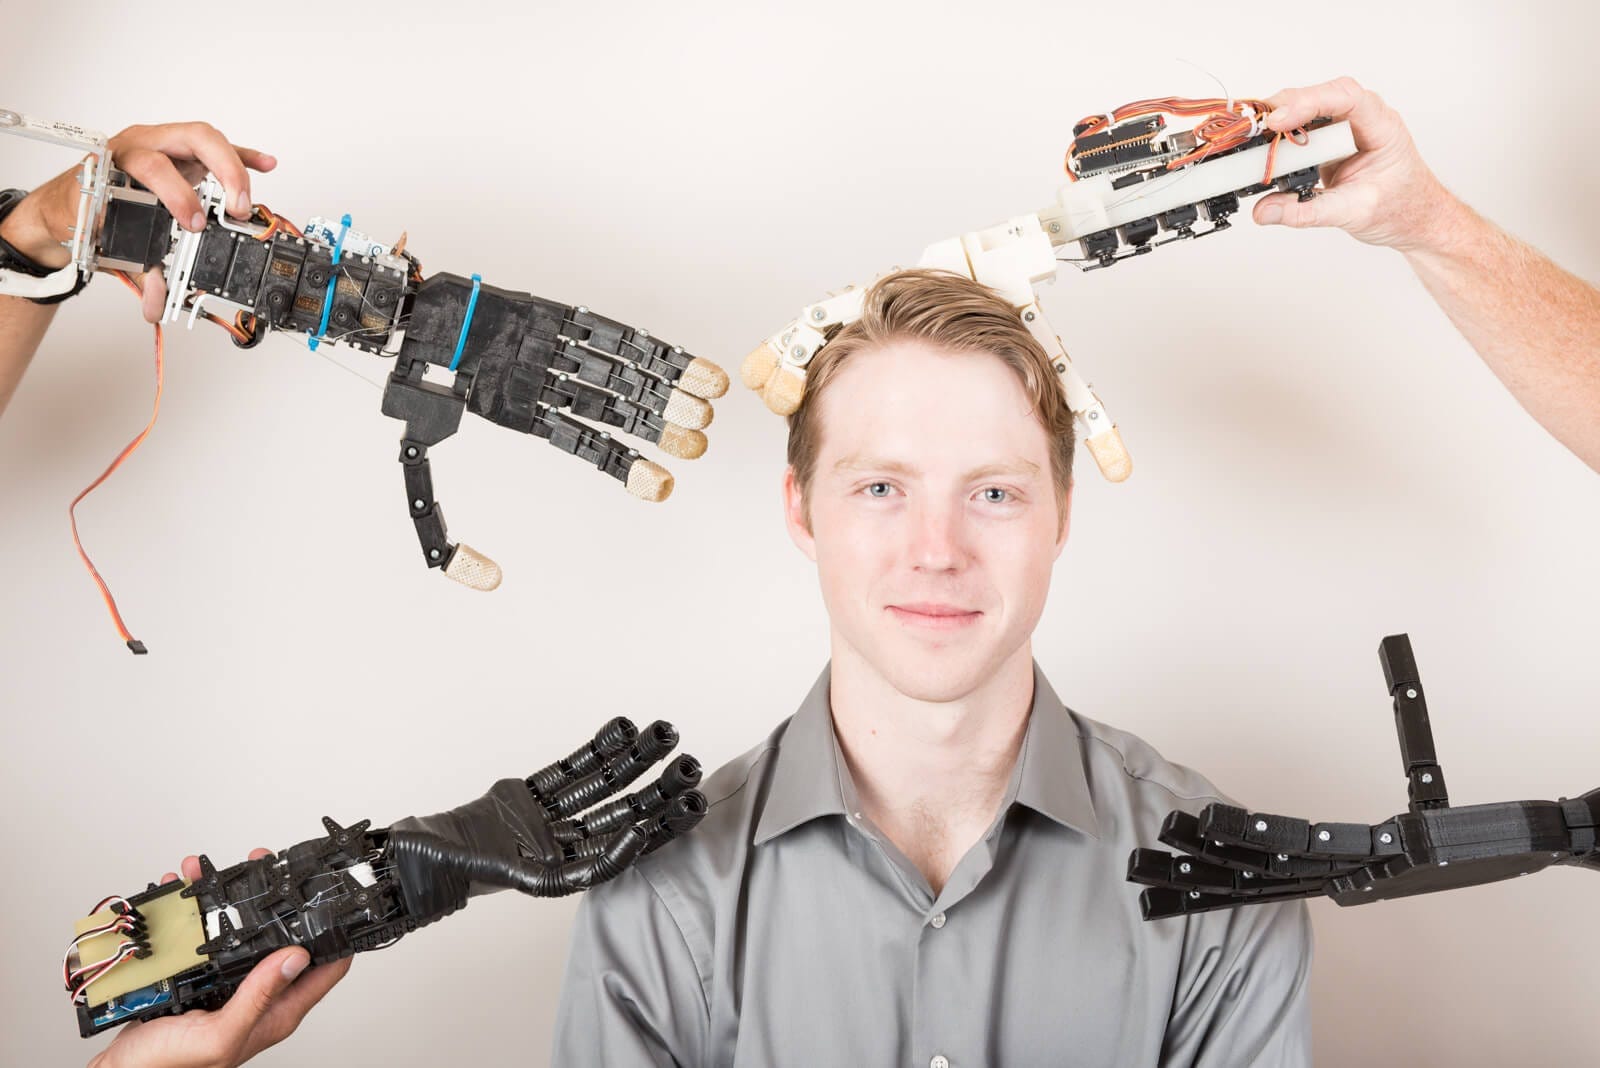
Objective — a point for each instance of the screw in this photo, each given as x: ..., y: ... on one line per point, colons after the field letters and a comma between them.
x: 1385, y: 837
x: 677, y: 350
x: 642, y: 332
x: 1261, y: 825
x: 1185, y: 868
x: 1323, y: 836
x: 434, y: 554
x: 1283, y: 856
x: 1094, y: 415
x: 1427, y: 776
x: 797, y: 352
x: 1194, y: 895
x: 1055, y: 228
x: 1248, y: 874
x: 1061, y: 368
x: 582, y: 310
x: 411, y: 451
x: 818, y: 314
x: 1027, y: 317
x: 1411, y: 694
x: 419, y: 504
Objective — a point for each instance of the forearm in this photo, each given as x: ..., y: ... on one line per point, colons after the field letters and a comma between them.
x: 1535, y: 325
x: 22, y: 326
x: 22, y: 322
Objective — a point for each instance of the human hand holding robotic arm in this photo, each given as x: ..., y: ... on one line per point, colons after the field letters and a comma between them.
x: 1150, y: 168
x: 552, y: 370
x: 190, y: 944
x: 1230, y: 857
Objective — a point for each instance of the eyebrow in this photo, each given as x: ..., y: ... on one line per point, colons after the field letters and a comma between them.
x: 1015, y: 467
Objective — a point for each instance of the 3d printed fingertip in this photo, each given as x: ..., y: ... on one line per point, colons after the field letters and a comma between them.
x: 704, y: 379
x: 1110, y: 455
x: 649, y: 481
x: 687, y: 410
x: 472, y: 569
x: 683, y: 443
x: 785, y: 391
x: 758, y: 366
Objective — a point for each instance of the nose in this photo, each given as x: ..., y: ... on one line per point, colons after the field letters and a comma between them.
x: 938, y: 540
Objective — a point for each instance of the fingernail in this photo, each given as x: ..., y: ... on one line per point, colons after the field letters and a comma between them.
x: 1271, y: 213
x: 270, y: 161
x: 198, y: 222
x: 241, y: 202
x: 295, y: 965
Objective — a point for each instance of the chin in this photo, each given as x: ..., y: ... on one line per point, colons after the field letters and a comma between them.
x: 936, y: 676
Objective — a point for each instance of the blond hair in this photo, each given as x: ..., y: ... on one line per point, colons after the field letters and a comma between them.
x: 957, y: 315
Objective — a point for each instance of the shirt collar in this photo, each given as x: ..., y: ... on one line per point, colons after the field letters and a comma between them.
x: 808, y: 773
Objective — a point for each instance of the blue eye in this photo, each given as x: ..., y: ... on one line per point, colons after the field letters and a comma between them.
x: 995, y: 495
x: 879, y: 489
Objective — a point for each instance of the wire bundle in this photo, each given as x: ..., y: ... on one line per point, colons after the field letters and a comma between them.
x: 127, y: 921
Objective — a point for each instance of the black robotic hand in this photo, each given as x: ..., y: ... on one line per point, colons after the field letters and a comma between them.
x: 1230, y: 857
x: 183, y: 946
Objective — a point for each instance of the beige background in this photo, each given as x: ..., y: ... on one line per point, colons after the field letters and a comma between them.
x: 1319, y: 461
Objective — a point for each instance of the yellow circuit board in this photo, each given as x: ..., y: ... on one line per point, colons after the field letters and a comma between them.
x: 175, y: 931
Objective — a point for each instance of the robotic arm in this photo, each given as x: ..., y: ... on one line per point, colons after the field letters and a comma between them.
x: 1230, y: 857
x: 1153, y: 167
x: 561, y: 830
x: 557, y: 372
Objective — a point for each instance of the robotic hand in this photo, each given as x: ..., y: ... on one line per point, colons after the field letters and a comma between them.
x: 530, y: 364
x: 1231, y: 857
x: 1150, y: 167
x: 182, y: 946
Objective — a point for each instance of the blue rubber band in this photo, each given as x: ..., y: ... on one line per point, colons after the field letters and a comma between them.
x: 466, y: 324
x: 333, y: 283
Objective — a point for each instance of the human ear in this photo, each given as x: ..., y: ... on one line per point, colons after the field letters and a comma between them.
x: 1066, y: 522
x: 794, y: 514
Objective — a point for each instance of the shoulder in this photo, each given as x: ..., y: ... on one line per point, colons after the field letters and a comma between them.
x: 684, y: 875
x: 1132, y: 785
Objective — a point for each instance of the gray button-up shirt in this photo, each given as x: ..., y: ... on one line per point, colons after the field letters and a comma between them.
x: 786, y: 929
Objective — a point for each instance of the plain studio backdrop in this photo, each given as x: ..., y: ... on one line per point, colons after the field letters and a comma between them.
x: 1319, y: 460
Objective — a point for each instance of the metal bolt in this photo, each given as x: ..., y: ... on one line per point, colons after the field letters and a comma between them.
x: 1094, y: 415
x: 1444, y: 864
x: 1248, y: 874
x: 1055, y: 228
x: 1323, y: 836
x: 797, y: 352
x: 1283, y: 856
x: 642, y: 332
x: 1027, y: 317
x: 818, y: 314
x: 1261, y: 825
x: 1427, y: 776
x: 582, y: 310
x: 411, y: 451
x: 419, y: 504
x: 1411, y: 694
x: 1061, y: 368
x: 434, y: 554
x: 1385, y: 837
x: 1194, y: 895
x: 677, y: 350
x: 1185, y: 868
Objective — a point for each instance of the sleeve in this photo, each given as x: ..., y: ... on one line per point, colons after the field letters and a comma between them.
x: 1243, y: 993
x: 632, y: 994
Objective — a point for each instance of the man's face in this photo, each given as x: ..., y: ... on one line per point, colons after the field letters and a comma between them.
x: 933, y: 516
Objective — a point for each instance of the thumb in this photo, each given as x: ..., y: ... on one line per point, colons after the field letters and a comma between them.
x: 1330, y: 207
x: 261, y: 988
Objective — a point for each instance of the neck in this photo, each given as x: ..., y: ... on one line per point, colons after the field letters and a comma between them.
x: 931, y: 775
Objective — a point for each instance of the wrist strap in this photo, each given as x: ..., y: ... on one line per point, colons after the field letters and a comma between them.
x: 12, y: 259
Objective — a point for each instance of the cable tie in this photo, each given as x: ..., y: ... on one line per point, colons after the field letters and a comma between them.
x: 466, y: 323
x: 333, y: 283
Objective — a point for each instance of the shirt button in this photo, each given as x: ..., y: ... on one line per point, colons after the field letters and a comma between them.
x: 938, y: 922
x: 941, y: 1061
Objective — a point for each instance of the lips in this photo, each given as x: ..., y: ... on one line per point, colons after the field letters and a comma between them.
x: 932, y: 615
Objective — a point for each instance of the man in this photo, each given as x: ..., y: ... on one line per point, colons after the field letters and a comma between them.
x: 925, y: 865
